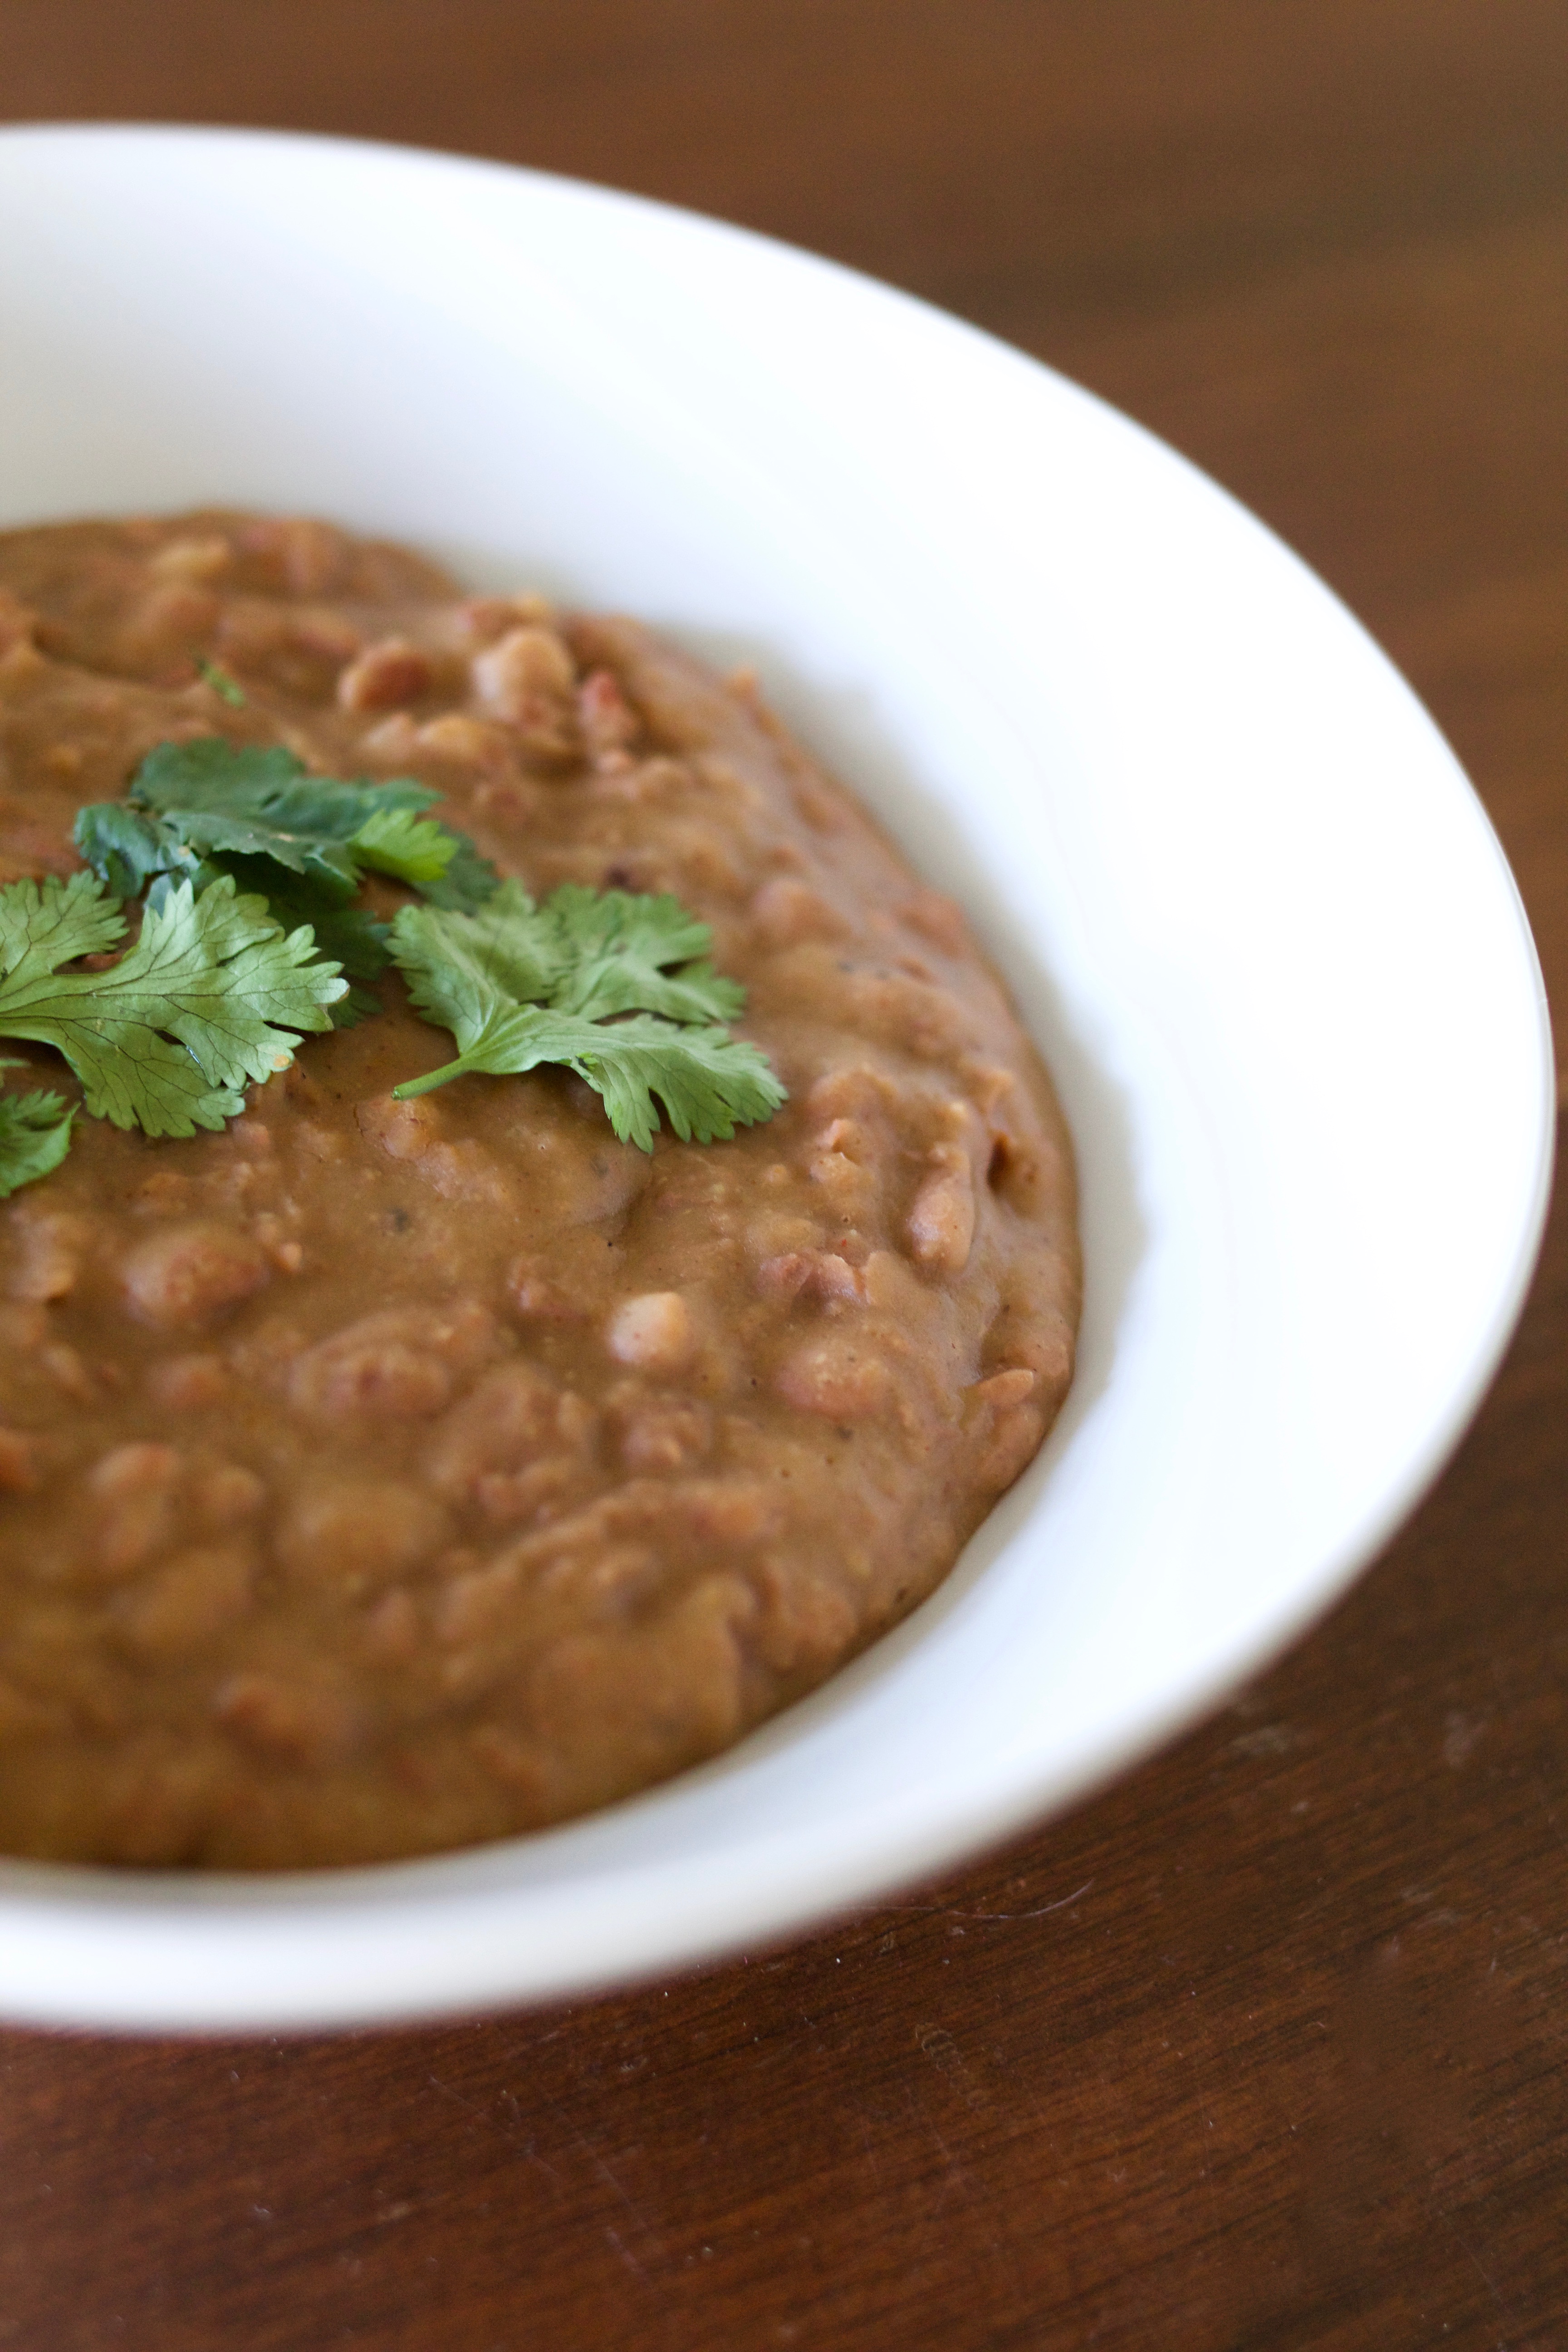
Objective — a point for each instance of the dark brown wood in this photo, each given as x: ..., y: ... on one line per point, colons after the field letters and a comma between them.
x: 1267, y: 2047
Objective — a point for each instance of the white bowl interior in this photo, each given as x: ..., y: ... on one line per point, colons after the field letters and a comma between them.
x: 1247, y: 903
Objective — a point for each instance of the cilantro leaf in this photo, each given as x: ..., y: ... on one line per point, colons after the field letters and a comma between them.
x: 410, y: 848
x: 34, y: 1136
x: 210, y: 996
x: 350, y: 936
x: 255, y: 801
x: 617, y: 943
x: 587, y: 955
x: 470, y: 881
x: 709, y: 1082
x: 259, y: 801
x: 201, y: 809
x: 458, y: 968
x: 263, y: 782
x: 59, y: 920
x: 126, y: 848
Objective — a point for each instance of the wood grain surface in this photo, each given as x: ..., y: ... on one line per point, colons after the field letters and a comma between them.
x: 1266, y: 2046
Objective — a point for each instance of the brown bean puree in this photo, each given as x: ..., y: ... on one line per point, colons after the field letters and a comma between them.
x: 377, y: 1477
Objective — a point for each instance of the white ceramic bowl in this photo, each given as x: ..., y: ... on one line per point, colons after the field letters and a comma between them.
x: 1248, y: 904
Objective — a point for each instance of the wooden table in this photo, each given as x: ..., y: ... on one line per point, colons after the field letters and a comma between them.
x: 1266, y: 2046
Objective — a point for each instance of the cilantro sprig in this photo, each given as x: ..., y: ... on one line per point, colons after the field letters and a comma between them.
x: 249, y: 869
x: 211, y: 798
x: 254, y: 812
x: 212, y: 993
x: 584, y: 982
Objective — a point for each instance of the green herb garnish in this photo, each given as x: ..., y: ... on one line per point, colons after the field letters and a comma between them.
x: 34, y: 1134
x: 303, y: 842
x: 212, y: 674
x: 519, y: 985
x: 351, y: 935
x: 212, y: 993
x: 249, y: 866
x: 190, y: 805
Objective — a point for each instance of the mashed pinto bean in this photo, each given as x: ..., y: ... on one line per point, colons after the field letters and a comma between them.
x: 377, y: 1477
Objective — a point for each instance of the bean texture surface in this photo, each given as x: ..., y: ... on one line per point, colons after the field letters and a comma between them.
x: 379, y: 1477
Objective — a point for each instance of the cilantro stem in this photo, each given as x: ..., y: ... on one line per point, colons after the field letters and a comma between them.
x: 212, y: 674
x: 434, y: 1078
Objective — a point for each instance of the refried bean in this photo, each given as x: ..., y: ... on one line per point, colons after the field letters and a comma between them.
x: 378, y: 1477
